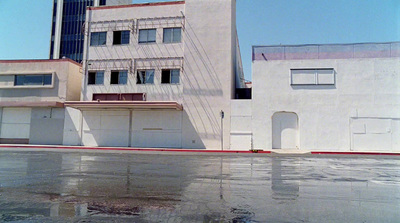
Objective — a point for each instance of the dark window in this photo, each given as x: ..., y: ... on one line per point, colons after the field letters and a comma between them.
x: 96, y: 77
x: 121, y: 37
x: 98, y: 38
x: 170, y: 76
x: 145, y: 77
x: 119, y: 77
x: 172, y: 35
x: 103, y: 2
x: 44, y: 79
x: 147, y: 36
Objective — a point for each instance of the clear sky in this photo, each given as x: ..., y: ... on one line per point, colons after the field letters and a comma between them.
x: 25, y: 24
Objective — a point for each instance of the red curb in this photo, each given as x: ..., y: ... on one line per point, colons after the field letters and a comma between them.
x: 132, y: 149
x: 356, y: 153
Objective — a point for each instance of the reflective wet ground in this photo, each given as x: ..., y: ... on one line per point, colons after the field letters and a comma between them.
x: 88, y: 187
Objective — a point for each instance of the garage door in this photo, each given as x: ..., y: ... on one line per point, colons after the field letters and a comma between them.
x: 157, y: 129
x: 371, y: 134
x: 105, y: 128
x: 15, y: 125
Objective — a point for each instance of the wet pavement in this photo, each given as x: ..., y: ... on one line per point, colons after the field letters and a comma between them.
x: 111, y: 187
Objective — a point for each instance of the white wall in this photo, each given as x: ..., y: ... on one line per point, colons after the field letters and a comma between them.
x: 241, y: 122
x: 366, y: 88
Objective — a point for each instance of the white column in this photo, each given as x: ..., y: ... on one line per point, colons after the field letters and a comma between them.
x: 57, y: 36
x: 96, y: 3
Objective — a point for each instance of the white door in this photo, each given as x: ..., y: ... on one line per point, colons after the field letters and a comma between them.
x: 15, y: 123
x: 285, y: 131
x: 157, y: 129
x: 105, y: 128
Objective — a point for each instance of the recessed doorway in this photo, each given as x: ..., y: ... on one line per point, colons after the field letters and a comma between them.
x: 285, y: 130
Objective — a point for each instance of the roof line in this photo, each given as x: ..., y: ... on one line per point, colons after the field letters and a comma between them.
x: 324, y: 44
x: 41, y: 61
x: 136, y: 5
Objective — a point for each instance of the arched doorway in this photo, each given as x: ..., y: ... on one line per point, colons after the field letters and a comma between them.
x: 285, y: 130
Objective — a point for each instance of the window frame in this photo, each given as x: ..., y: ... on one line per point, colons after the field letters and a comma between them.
x: 172, y: 35
x: 143, y: 80
x: 43, y: 85
x: 170, y: 71
x: 121, y: 42
x: 316, y: 74
x: 147, y: 41
x: 119, y: 77
x: 95, y: 77
x: 98, y: 39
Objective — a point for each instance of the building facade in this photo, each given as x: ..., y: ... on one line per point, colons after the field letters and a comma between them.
x: 338, y: 97
x: 158, y: 75
x: 66, y: 33
x: 32, y: 96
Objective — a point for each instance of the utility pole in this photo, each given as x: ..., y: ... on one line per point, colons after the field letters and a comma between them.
x: 222, y: 129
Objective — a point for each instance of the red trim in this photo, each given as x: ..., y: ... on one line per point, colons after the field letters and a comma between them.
x: 136, y: 5
x: 130, y: 149
x: 356, y: 153
x: 41, y: 61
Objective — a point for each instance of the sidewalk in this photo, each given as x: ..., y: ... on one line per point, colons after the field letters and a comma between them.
x: 277, y: 152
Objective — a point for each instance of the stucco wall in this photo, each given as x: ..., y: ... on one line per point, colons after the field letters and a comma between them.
x: 366, y: 88
x: 47, y: 126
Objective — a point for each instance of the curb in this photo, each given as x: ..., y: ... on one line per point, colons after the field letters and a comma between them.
x: 204, y: 151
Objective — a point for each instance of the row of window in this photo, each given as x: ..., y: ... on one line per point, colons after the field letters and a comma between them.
x: 168, y: 76
x: 35, y: 79
x: 170, y: 35
x: 324, y: 76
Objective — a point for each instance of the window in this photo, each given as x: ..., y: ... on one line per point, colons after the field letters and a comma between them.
x: 325, y: 76
x: 172, y: 35
x: 170, y: 76
x: 103, y: 2
x: 119, y: 77
x: 147, y: 36
x: 121, y: 37
x: 44, y: 79
x: 98, y: 38
x: 145, y: 77
x: 96, y: 77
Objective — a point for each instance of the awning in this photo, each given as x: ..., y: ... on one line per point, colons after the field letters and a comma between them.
x: 124, y: 105
x: 51, y: 104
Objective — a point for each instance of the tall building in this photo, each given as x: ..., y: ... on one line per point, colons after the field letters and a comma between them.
x: 66, y: 32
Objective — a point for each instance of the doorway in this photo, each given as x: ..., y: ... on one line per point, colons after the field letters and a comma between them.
x: 285, y: 130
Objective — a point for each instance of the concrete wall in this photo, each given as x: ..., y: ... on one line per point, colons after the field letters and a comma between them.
x: 57, y: 92
x: 360, y: 110
x: 206, y: 57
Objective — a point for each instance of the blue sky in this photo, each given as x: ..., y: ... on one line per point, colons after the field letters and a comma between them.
x: 25, y: 24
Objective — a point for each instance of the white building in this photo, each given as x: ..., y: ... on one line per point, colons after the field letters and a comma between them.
x: 157, y: 75
x: 32, y: 96
x: 338, y: 97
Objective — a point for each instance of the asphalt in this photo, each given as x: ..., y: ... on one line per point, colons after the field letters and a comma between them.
x: 109, y: 186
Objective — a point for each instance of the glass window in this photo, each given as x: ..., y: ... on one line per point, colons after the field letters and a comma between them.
x: 96, y: 77
x: 44, y: 79
x: 325, y: 76
x: 121, y: 37
x: 170, y: 76
x: 147, y: 36
x: 172, y: 35
x: 119, y: 77
x: 103, y: 2
x: 145, y: 77
x: 98, y: 38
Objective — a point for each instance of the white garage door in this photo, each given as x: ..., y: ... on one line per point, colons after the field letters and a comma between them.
x: 15, y: 123
x: 157, y: 129
x: 371, y: 134
x: 105, y: 128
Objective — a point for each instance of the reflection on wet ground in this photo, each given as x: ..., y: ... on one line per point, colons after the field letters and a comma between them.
x: 83, y: 187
